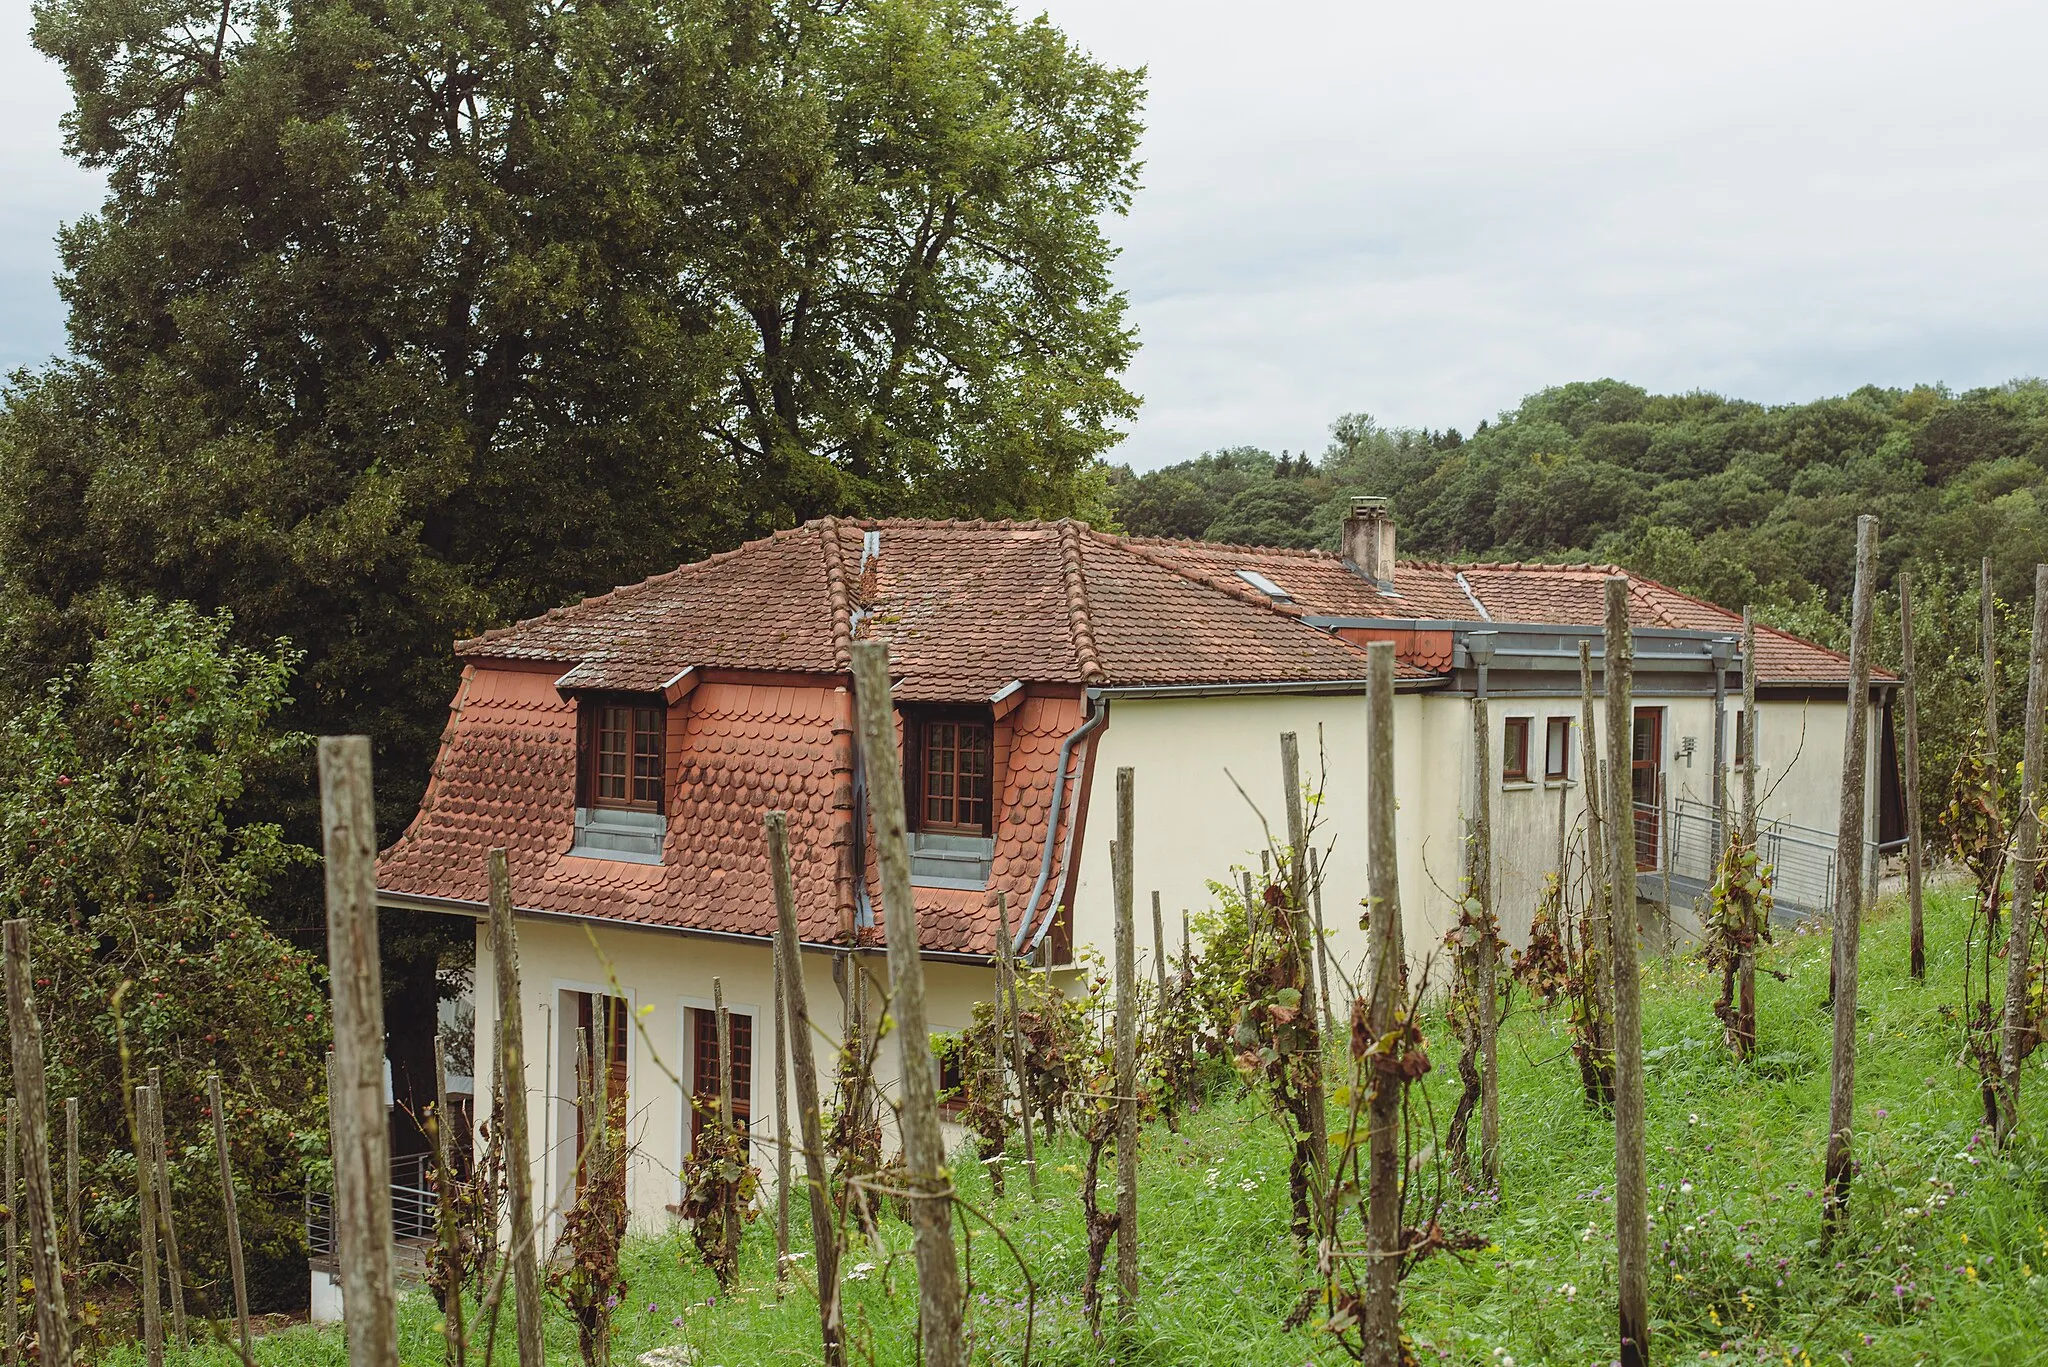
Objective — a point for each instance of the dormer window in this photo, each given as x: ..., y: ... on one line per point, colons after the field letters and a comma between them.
x: 951, y: 776
x: 955, y: 757
x: 620, y: 778
x: 626, y: 758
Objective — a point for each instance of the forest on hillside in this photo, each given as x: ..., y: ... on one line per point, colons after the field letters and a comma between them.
x: 1737, y: 502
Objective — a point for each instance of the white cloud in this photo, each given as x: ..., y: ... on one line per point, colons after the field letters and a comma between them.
x: 1426, y: 211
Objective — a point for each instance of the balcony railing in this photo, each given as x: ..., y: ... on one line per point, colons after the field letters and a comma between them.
x: 1688, y: 848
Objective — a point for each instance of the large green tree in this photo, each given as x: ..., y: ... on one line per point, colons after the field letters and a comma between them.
x: 404, y: 317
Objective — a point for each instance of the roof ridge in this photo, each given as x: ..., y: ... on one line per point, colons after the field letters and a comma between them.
x: 836, y: 601
x: 1300, y: 552
x: 1230, y: 586
x: 1077, y: 601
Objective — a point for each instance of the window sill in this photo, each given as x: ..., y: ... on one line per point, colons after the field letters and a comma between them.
x: 622, y: 836
x: 1516, y: 785
x: 1560, y: 783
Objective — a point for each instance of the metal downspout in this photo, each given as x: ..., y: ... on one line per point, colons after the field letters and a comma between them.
x: 1098, y: 712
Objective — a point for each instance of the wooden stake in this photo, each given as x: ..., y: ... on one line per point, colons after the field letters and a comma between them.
x: 362, y: 1141
x: 513, y: 1129
x: 1126, y: 1051
x: 1488, y: 1005
x: 1631, y: 1182
x: 941, y: 1318
x: 25, y: 1031
x: 12, y: 1176
x: 233, y: 1220
x: 1166, y: 1097
x: 781, y: 1136
x: 2026, y: 866
x: 1909, y: 696
x: 1745, y: 963
x: 447, y: 1234
x: 1315, y: 1140
x: 1849, y: 892
x: 174, y: 1263
x: 788, y: 952
x: 1004, y: 952
x: 1600, y: 921
x: 1315, y: 887
x: 1988, y: 632
x: 727, y: 1120
x: 1385, y: 1010
x: 145, y: 1203
x: 73, y: 1242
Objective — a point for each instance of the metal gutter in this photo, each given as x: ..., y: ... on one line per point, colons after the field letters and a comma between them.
x: 456, y: 906
x: 1098, y: 712
x: 1233, y: 690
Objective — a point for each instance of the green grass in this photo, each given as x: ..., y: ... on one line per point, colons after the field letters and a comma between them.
x: 1942, y: 1266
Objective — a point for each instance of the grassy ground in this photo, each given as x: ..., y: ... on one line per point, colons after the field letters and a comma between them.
x: 1943, y: 1265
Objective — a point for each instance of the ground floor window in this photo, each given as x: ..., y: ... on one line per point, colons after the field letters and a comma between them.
x: 704, y: 1068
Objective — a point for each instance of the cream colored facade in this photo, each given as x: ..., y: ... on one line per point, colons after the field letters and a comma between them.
x: 1190, y: 755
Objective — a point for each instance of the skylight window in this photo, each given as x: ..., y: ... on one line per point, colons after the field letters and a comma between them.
x: 1265, y: 586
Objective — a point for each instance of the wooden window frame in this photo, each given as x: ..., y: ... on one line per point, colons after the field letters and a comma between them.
x: 1737, y: 759
x: 1514, y: 752
x: 592, y: 711
x: 704, y: 1067
x: 1551, y: 725
x: 917, y: 726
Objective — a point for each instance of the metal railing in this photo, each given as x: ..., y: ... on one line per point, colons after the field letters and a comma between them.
x: 414, y: 1207
x: 1689, y: 841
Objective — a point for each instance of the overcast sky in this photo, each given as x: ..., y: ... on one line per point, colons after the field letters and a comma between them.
x: 1425, y: 211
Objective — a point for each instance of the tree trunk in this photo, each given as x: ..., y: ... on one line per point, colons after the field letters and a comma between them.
x: 1849, y: 892
x: 362, y: 1141
x: 1631, y: 1182
x: 2017, y: 1039
x: 1385, y: 1012
x: 1909, y: 696
x: 25, y: 1034
x: 941, y: 1314
x: 789, y: 953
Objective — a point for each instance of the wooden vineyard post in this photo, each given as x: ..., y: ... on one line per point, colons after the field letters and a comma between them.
x: 1988, y: 641
x: 941, y: 1313
x: 25, y: 1034
x: 362, y: 1143
x: 1126, y: 1050
x: 1745, y: 964
x: 2026, y: 866
x: 12, y: 1177
x: 1385, y: 1009
x: 447, y: 1232
x: 1600, y: 920
x: 1839, y: 1170
x: 145, y: 1204
x: 1315, y: 888
x: 1315, y: 1140
x: 1488, y: 1005
x: 236, y: 1273
x: 1909, y: 698
x: 727, y: 1121
x: 781, y: 1136
x: 73, y: 1240
x: 1004, y: 951
x: 513, y: 1128
x: 1166, y: 1097
x: 1631, y: 1179
x: 174, y: 1262
x: 811, y: 1125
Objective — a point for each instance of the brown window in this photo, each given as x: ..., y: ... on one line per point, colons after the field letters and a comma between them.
x: 955, y: 756
x: 1557, y: 748
x: 1741, y: 739
x: 704, y: 1067
x: 622, y: 752
x: 1514, y: 750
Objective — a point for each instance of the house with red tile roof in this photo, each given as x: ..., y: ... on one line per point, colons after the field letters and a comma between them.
x: 624, y: 751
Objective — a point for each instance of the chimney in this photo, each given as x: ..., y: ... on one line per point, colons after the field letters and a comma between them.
x: 1369, y: 540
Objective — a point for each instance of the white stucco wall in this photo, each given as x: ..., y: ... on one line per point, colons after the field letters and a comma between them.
x: 662, y: 974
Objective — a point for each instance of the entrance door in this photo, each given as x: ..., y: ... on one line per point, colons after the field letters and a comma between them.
x: 1646, y: 785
